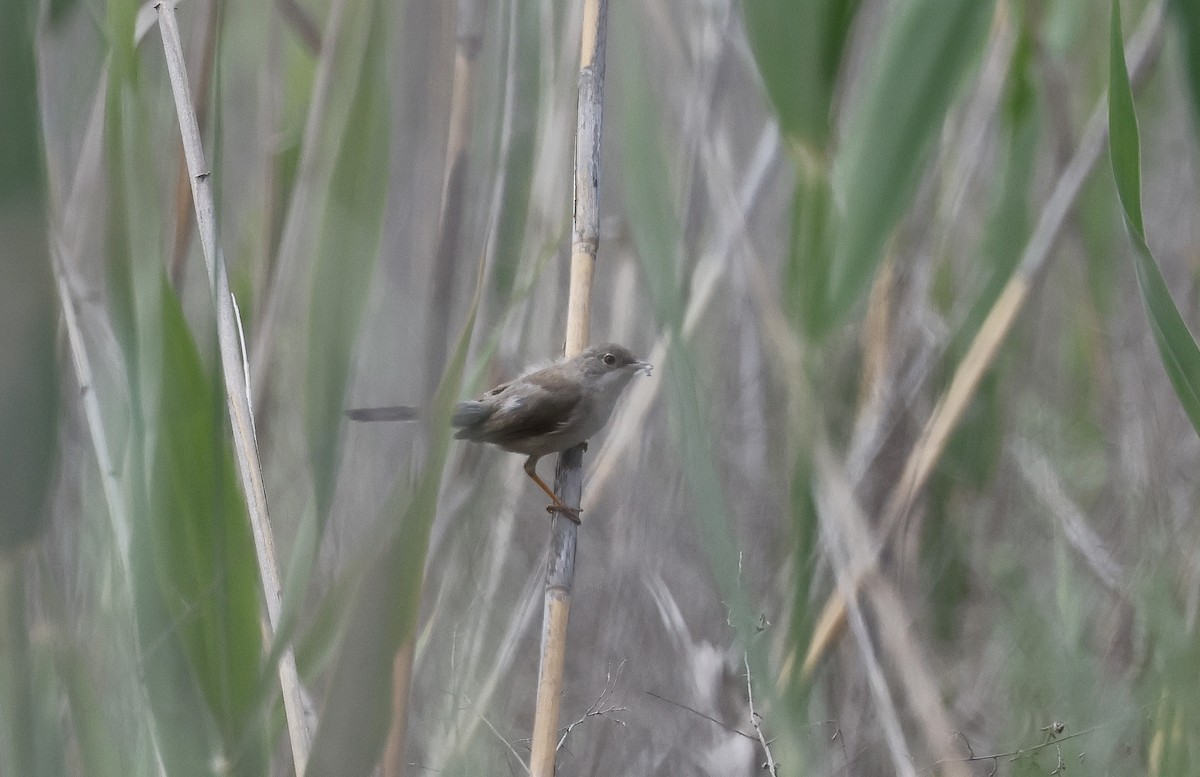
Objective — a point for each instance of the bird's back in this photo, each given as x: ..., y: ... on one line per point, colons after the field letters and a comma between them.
x: 524, y: 416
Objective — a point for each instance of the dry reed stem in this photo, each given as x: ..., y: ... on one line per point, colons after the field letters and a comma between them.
x: 235, y: 370
x: 183, y: 211
x: 568, y: 480
x: 992, y: 334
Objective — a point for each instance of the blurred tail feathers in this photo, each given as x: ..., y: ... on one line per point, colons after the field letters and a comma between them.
x: 466, y: 414
x: 395, y: 413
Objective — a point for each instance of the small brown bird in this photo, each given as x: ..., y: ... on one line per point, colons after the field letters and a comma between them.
x: 543, y: 412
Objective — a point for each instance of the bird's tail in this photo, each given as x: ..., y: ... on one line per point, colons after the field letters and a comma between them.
x: 396, y: 413
x: 470, y: 413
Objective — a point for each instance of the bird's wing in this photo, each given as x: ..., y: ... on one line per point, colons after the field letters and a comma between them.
x: 530, y: 409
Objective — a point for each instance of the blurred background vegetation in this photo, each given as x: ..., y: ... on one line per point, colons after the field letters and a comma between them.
x: 810, y: 211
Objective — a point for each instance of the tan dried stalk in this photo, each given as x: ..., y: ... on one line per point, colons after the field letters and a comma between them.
x: 235, y: 372
x: 568, y: 479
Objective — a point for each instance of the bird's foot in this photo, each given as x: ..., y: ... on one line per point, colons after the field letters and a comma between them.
x: 571, y: 513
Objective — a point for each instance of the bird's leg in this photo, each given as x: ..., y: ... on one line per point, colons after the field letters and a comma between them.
x: 558, y: 506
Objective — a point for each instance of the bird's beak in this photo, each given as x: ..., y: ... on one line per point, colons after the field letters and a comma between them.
x: 643, y: 368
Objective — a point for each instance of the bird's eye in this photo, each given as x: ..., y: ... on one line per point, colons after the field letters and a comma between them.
x: 609, y: 359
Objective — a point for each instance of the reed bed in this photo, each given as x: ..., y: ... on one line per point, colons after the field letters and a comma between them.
x: 911, y: 490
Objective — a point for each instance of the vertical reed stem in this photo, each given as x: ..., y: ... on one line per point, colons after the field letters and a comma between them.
x: 568, y: 482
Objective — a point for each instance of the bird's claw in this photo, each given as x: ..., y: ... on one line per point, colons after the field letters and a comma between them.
x: 571, y: 513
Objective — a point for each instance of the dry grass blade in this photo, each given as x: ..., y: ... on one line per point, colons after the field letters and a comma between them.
x: 848, y: 561
x: 846, y: 537
x: 1037, y: 471
x: 100, y: 444
x: 234, y: 370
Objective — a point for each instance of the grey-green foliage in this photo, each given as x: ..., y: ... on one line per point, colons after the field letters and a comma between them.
x: 383, y: 613
x: 28, y: 363
x: 1187, y: 27
x: 799, y: 48
x: 348, y: 237
x: 910, y: 78
x: 926, y: 49
x: 721, y: 519
x: 1180, y: 355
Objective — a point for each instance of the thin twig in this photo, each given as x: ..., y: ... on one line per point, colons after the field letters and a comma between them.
x: 507, y: 744
x: 1014, y: 754
x: 597, y: 710
x: 706, y: 716
x: 755, y: 718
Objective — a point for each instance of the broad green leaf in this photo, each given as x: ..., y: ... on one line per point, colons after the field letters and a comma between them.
x: 348, y: 244
x: 1124, y: 145
x: 185, y: 736
x: 1177, y: 347
x: 806, y: 274
x: 1187, y: 22
x: 799, y: 47
x: 99, y: 747
x: 186, y: 732
x: 17, y: 729
x: 28, y: 314
x: 29, y: 388
x: 926, y: 48
x: 193, y: 572
x: 204, y: 570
